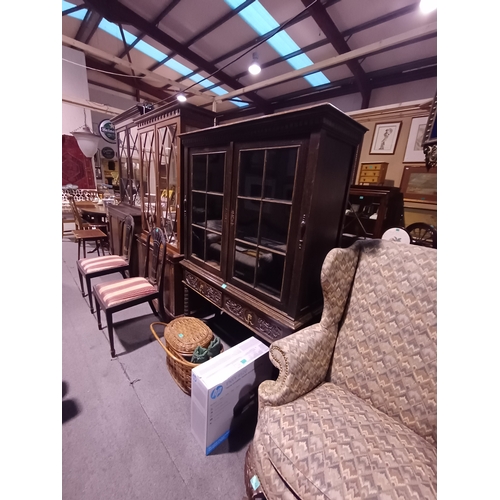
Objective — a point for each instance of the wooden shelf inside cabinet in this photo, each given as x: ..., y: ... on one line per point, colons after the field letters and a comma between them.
x: 372, y: 173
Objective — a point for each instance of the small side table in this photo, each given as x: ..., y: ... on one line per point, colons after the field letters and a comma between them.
x: 84, y: 235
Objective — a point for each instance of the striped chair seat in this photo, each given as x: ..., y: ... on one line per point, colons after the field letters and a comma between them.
x: 118, y: 292
x: 97, y: 264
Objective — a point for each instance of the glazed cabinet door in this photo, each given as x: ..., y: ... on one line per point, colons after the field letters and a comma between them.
x: 206, y: 203
x: 265, y: 205
x: 168, y: 186
x: 128, y: 157
x: 150, y: 181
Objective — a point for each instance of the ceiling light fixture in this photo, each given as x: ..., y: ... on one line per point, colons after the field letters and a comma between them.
x: 427, y: 6
x: 254, y: 68
x: 181, y: 97
x: 86, y: 139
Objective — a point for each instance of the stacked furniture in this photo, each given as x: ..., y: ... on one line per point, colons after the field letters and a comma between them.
x: 352, y: 414
x: 372, y: 174
x: 265, y: 202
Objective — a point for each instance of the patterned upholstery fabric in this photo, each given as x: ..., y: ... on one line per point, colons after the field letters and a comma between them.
x: 387, y: 353
x: 354, y: 417
x: 332, y: 444
x: 117, y: 292
x: 304, y: 358
x: 97, y: 264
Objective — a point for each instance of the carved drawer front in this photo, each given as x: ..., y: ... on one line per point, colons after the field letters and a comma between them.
x: 254, y: 320
x: 204, y: 289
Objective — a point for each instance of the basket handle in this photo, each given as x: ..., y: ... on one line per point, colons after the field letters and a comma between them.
x: 169, y: 353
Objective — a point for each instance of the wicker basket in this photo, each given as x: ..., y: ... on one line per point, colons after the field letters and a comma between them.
x: 183, y: 335
x: 178, y: 366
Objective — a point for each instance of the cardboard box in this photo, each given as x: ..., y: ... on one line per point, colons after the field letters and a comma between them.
x: 222, y: 386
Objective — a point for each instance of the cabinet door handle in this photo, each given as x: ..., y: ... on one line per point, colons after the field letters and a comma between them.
x: 302, y: 231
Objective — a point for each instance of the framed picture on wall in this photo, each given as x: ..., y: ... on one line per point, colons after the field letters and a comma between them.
x: 419, y: 184
x: 385, y: 138
x: 414, y: 148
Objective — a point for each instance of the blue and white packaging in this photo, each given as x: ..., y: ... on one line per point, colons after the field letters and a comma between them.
x: 219, y: 384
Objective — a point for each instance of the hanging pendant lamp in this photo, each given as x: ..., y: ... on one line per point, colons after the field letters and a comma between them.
x: 86, y: 139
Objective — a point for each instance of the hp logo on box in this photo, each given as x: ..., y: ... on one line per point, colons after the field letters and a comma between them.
x: 216, y: 392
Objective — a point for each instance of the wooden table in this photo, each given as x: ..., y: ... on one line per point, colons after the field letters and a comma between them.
x: 93, y: 212
x: 84, y: 235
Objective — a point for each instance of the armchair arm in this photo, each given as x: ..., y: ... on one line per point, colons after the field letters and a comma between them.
x: 303, y: 359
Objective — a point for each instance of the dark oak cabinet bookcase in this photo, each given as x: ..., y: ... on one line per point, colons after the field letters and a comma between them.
x: 265, y: 202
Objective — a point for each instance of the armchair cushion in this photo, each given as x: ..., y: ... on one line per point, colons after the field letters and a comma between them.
x: 330, y: 444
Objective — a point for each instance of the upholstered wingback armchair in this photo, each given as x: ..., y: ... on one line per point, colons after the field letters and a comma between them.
x: 352, y: 414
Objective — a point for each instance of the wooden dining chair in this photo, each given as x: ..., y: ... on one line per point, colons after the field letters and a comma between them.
x: 116, y: 296
x: 81, y: 224
x: 92, y: 267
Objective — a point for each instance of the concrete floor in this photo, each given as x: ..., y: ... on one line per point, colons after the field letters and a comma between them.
x: 126, y: 424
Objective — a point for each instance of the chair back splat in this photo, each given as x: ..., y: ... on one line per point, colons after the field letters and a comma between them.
x: 79, y: 222
x: 126, y: 237
x: 155, y: 259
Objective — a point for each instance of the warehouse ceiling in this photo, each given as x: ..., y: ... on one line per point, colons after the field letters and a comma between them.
x: 155, y: 49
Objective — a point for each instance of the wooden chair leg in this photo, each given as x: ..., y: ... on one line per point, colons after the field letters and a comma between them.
x: 155, y: 312
x: 97, y: 248
x: 109, y: 319
x: 89, y: 291
x: 98, y: 313
x: 84, y: 250
x: 81, y: 283
x: 79, y: 245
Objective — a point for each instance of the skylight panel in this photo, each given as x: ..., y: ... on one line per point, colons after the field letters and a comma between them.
x: 79, y: 14
x: 151, y: 51
x: 258, y: 18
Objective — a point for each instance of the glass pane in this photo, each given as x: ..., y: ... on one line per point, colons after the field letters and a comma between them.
x: 214, y: 212
x: 250, y: 173
x: 198, y: 242
x: 122, y: 154
x: 244, y: 262
x: 168, y: 181
x: 247, y: 223
x: 280, y: 173
x: 200, y: 172
x: 213, y: 246
x: 149, y: 192
x: 216, y: 173
x: 270, y: 272
x: 274, y: 225
x: 199, y: 214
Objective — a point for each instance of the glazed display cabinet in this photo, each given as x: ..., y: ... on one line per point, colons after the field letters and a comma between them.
x: 265, y: 202
x: 159, y: 185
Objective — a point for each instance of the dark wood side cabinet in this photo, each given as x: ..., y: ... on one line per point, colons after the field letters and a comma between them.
x: 265, y: 202
x: 370, y: 211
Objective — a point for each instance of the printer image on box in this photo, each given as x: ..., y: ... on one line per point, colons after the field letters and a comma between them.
x: 221, y: 386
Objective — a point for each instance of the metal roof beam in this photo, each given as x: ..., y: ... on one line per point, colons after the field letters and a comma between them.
x: 336, y: 39
x: 373, y: 48
x: 115, y: 12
